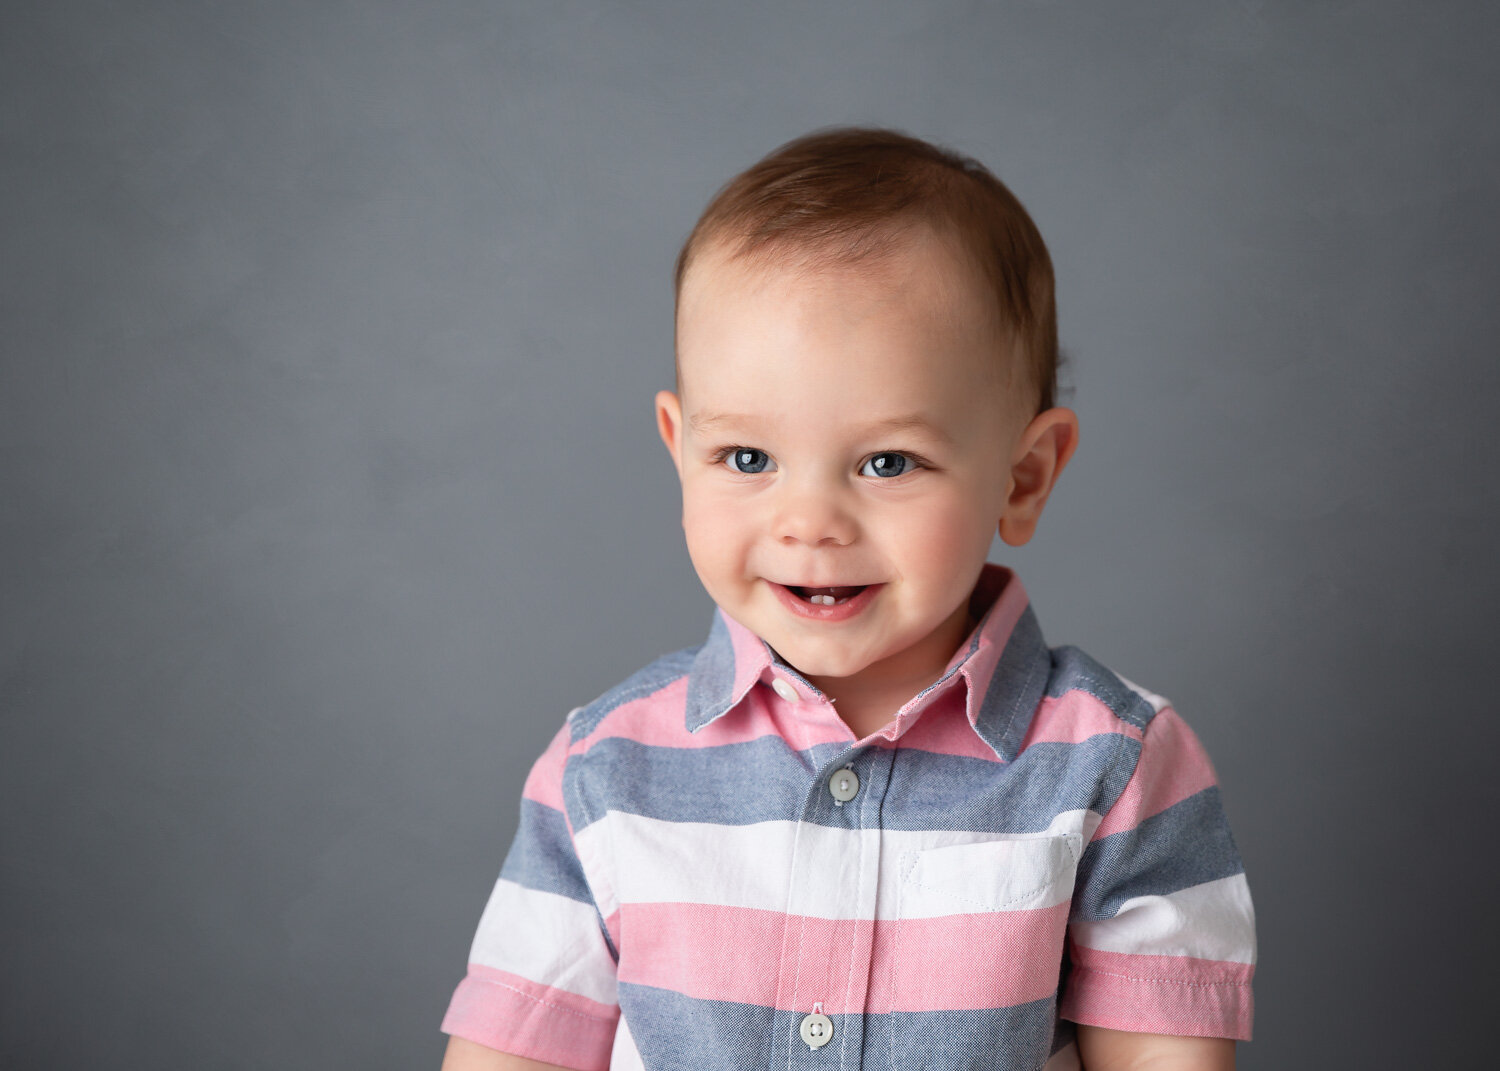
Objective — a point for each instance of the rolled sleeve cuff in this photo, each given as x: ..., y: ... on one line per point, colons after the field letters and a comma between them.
x: 1161, y: 995
x: 512, y: 1014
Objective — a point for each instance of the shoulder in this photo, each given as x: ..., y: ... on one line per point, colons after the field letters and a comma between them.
x: 1151, y: 749
x: 659, y: 679
x: 1077, y: 674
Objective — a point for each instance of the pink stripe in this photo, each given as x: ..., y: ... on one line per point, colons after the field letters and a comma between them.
x: 658, y: 720
x: 944, y: 729
x: 750, y: 655
x: 516, y: 1015
x: 1160, y: 994
x: 1172, y: 767
x: 988, y: 960
x: 652, y: 719
x: 703, y: 950
x: 544, y: 782
x: 1073, y: 718
x: 1187, y: 970
x: 1009, y: 605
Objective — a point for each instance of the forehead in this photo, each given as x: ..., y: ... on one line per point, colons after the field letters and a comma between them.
x: 880, y: 258
x: 913, y: 316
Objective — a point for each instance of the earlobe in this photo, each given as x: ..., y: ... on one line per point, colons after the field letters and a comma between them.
x: 669, y: 425
x: 1042, y: 452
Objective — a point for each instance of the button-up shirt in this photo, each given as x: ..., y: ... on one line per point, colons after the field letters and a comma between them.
x: 711, y: 871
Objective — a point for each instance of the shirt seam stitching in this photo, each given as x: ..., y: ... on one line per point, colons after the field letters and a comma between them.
x: 854, y: 930
x: 1163, y: 981
x: 801, y: 933
x: 1122, y: 745
x: 1025, y: 689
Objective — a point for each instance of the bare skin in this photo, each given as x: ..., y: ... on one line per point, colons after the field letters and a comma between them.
x: 1103, y: 1049
x: 467, y: 1056
x: 812, y: 375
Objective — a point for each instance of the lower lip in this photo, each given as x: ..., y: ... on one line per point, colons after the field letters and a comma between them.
x: 813, y: 611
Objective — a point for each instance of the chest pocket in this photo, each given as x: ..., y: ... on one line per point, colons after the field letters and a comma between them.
x: 980, y: 927
x: 997, y: 875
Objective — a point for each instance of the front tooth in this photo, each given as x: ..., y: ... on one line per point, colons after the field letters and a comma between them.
x: 823, y: 600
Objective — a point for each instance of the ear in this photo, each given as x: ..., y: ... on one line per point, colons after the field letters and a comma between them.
x: 1041, y: 454
x: 669, y: 425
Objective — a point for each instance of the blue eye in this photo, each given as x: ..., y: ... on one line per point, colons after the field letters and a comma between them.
x: 889, y: 463
x: 748, y: 460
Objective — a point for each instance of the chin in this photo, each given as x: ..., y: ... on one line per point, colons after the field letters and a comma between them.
x: 816, y: 663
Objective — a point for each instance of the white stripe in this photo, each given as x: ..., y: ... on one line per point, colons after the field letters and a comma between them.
x: 547, y: 938
x: 1002, y: 875
x: 647, y: 860
x: 1214, y: 920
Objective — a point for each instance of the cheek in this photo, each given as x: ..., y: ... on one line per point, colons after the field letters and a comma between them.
x: 943, y: 534
x: 715, y: 530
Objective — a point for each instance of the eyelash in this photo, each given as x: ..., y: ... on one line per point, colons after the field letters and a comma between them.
x: 917, y: 461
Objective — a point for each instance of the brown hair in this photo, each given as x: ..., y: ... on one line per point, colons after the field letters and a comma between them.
x: 844, y: 194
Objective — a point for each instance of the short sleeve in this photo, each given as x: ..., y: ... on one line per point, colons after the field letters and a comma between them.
x: 1161, y: 934
x: 541, y: 977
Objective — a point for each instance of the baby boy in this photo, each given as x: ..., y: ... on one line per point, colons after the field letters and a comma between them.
x: 873, y: 821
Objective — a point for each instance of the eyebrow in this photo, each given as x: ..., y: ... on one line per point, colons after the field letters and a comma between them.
x: 705, y: 423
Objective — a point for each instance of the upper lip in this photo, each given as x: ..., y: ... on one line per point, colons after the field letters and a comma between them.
x: 826, y: 584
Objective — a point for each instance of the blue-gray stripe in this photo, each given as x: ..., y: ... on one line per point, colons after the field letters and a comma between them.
x: 678, y: 1033
x: 674, y: 1032
x: 1074, y: 671
x: 1020, y: 679
x: 932, y: 791
x: 736, y: 784
x: 1185, y: 845
x: 765, y: 780
x: 981, y: 1039
x: 711, y: 683
x: 542, y: 857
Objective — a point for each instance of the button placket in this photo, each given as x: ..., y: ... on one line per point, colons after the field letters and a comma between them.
x: 837, y: 852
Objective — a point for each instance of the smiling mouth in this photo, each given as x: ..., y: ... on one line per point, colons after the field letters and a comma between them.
x: 826, y: 596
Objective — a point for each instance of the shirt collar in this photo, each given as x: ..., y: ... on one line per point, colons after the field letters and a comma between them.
x: 1004, y: 665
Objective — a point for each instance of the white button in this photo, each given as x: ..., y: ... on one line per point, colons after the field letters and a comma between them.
x: 844, y: 785
x: 785, y: 690
x: 816, y: 1030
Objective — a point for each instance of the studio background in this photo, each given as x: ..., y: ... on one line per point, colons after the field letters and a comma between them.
x: 328, y: 480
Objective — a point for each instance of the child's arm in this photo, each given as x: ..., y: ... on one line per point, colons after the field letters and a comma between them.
x: 1162, y: 933
x: 1103, y: 1049
x: 541, y: 976
x: 467, y: 1056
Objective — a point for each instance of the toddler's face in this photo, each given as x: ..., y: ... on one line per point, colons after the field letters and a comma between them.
x: 845, y: 441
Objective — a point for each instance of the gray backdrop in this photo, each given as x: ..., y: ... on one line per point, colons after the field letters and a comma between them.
x: 328, y: 481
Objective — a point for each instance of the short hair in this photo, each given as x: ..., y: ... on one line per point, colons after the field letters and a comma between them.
x: 844, y: 194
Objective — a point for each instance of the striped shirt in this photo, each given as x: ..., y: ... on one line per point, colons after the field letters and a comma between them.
x: 710, y: 871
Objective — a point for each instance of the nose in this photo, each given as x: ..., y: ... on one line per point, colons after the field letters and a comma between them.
x: 813, y: 514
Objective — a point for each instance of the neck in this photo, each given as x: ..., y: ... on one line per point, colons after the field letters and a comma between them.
x: 867, y: 710
x: 868, y: 700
